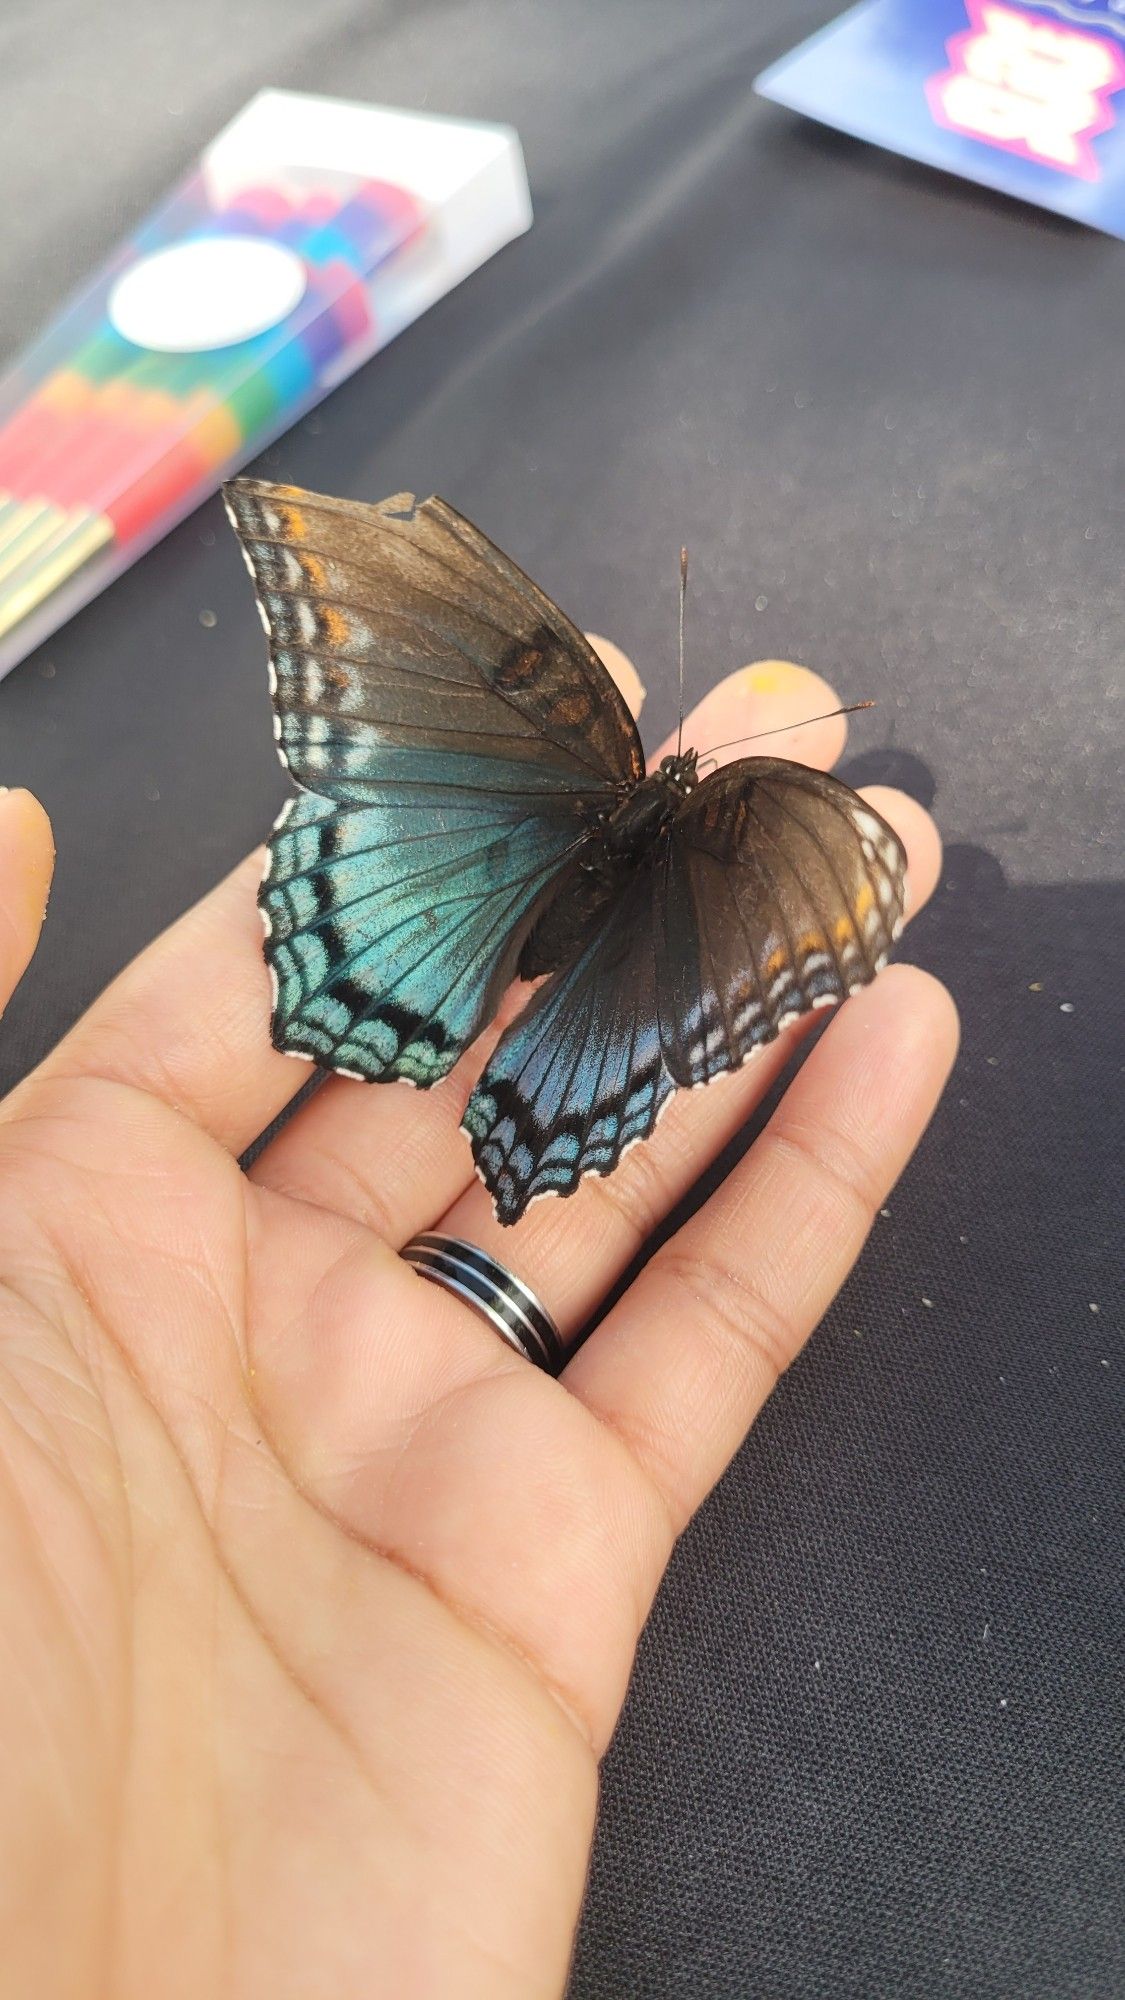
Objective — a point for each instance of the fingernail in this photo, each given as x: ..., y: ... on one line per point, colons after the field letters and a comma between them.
x: 774, y: 676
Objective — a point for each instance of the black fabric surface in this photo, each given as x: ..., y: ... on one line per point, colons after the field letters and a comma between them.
x: 874, y: 1743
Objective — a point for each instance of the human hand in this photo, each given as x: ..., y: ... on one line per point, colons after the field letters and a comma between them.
x: 320, y: 1602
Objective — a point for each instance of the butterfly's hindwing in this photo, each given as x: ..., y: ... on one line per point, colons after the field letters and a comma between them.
x: 784, y: 892
x: 393, y: 930
x: 578, y: 1076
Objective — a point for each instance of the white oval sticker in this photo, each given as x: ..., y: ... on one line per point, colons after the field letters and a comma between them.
x: 208, y: 292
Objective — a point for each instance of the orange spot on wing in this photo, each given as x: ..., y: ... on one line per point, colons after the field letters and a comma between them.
x: 843, y: 929
x: 571, y: 709
x: 337, y: 627
x: 293, y: 523
x: 314, y: 571
x: 865, y: 900
x: 775, y: 961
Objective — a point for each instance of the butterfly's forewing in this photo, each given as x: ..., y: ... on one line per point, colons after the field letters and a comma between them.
x: 774, y: 890
x: 579, y: 1075
x: 404, y: 644
x: 782, y: 891
x: 457, y: 736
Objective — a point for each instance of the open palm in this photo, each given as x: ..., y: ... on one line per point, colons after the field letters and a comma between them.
x: 320, y: 1602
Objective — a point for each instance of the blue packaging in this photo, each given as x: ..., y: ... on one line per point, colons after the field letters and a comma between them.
x: 1027, y: 96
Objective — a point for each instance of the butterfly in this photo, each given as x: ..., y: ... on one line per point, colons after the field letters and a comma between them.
x: 473, y: 808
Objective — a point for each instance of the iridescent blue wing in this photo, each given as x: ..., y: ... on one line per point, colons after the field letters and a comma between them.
x: 579, y: 1075
x: 394, y: 928
x: 781, y: 890
x: 455, y: 738
x: 774, y: 890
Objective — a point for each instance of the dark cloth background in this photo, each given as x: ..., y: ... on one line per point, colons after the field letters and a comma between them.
x: 875, y: 1739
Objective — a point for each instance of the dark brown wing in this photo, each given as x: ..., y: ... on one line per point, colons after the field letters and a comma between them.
x: 774, y: 890
x: 403, y: 643
x: 781, y: 890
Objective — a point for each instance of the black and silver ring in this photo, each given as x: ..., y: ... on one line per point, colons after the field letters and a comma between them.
x: 509, y: 1305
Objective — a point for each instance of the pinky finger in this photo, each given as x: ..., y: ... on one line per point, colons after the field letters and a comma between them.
x: 27, y: 860
x: 681, y: 1366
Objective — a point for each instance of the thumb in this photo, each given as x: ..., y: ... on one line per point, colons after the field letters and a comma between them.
x: 27, y: 861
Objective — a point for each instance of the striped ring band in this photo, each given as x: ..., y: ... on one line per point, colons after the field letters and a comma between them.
x: 509, y: 1305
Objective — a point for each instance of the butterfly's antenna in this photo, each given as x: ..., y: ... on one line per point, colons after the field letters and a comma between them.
x: 683, y: 594
x: 783, y: 728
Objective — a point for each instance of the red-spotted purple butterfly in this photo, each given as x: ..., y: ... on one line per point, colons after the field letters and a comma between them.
x: 473, y: 807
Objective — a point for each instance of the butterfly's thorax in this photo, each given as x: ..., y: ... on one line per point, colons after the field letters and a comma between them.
x: 622, y: 839
x: 649, y: 807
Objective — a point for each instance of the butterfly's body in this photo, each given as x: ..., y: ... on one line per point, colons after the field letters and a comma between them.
x: 627, y: 838
x: 649, y: 808
x: 473, y: 805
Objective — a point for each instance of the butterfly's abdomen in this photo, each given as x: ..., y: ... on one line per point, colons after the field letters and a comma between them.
x: 622, y: 842
x: 585, y: 891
